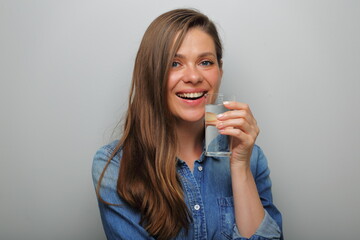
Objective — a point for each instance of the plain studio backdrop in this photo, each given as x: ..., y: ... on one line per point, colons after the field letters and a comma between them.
x: 65, y: 71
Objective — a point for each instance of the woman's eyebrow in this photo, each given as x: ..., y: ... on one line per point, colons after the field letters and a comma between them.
x: 205, y: 54
x: 177, y: 55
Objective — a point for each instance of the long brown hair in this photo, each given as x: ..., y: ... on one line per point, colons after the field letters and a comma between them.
x: 147, y: 179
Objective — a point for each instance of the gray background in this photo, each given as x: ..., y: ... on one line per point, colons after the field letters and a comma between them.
x: 65, y: 69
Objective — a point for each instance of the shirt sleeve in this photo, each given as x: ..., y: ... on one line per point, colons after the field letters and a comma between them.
x: 119, y: 220
x: 271, y: 226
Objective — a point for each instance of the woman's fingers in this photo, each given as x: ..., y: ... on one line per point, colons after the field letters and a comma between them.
x: 237, y: 114
x: 239, y: 119
x: 239, y: 110
x: 244, y: 138
x: 232, y: 105
x: 238, y: 123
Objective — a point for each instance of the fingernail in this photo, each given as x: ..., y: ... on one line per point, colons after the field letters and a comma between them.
x: 226, y: 102
x: 220, y: 115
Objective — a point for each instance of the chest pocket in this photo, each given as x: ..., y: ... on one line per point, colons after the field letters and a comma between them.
x: 227, y: 217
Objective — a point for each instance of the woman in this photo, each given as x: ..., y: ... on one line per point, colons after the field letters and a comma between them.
x: 156, y: 182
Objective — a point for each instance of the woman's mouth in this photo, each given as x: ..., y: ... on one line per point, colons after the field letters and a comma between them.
x: 191, y: 96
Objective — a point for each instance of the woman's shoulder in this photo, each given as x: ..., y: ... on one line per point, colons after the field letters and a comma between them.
x: 102, y: 156
x: 107, y: 150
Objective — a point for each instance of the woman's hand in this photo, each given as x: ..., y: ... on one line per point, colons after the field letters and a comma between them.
x: 241, y: 125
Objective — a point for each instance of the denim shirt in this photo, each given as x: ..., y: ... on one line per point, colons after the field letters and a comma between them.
x: 208, y: 195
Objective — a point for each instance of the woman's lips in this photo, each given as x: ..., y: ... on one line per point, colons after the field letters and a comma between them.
x: 192, y: 101
x: 191, y: 95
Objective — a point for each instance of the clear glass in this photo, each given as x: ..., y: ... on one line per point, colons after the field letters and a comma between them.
x: 215, y: 144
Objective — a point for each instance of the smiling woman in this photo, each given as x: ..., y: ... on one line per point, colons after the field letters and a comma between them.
x: 156, y: 182
x: 195, y: 71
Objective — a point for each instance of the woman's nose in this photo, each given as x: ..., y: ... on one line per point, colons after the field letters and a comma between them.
x: 192, y: 75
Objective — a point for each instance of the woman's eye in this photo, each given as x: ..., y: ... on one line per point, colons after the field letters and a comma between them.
x: 206, y: 63
x: 175, y: 64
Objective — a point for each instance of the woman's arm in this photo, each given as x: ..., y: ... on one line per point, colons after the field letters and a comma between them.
x: 242, y: 127
x: 249, y: 211
x: 118, y: 224
x: 119, y: 220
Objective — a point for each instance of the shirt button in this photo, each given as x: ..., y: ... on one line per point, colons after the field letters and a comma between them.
x: 197, y: 207
x: 200, y: 168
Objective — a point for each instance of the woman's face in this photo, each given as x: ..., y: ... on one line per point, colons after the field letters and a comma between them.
x: 195, y: 71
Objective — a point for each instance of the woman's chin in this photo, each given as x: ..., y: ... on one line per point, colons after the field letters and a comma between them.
x: 191, y: 119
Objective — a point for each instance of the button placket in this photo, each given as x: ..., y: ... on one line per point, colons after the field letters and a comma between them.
x: 192, y: 184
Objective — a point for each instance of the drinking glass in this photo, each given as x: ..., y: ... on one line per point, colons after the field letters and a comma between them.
x: 216, y: 145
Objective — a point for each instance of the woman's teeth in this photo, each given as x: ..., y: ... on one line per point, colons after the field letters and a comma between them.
x: 193, y: 95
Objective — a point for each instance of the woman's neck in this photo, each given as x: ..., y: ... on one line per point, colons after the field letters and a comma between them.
x: 190, y: 139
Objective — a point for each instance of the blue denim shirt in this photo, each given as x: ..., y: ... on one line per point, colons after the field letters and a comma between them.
x: 208, y: 195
